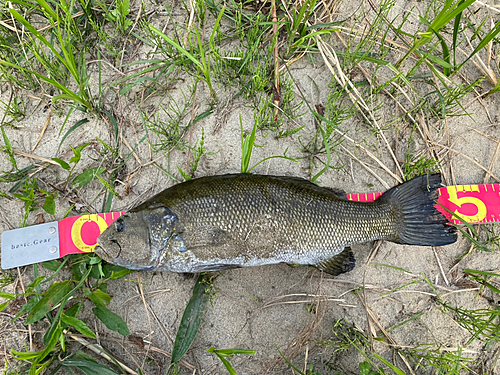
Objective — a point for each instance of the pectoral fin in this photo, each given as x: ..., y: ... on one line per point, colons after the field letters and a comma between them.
x: 340, y: 263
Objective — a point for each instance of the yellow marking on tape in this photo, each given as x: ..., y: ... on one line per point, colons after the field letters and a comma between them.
x: 481, y: 207
x: 76, y: 231
x: 465, y: 188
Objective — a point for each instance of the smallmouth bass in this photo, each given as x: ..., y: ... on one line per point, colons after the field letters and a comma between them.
x: 240, y: 220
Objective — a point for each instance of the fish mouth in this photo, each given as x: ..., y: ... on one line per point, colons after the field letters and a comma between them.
x: 109, y: 254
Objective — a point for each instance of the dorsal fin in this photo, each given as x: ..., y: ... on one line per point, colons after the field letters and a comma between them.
x: 340, y: 263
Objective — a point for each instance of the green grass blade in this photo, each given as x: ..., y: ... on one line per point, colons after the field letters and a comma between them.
x: 326, y: 143
x: 481, y: 273
x: 71, y: 130
x: 456, y: 26
x: 191, y: 320
x: 33, y: 31
x: 68, y: 94
x: 222, y: 353
x: 247, y: 144
x: 177, y: 46
x: 113, y: 121
x: 446, y: 51
x: 8, y: 148
x: 488, y: 38
x: 389, y: 364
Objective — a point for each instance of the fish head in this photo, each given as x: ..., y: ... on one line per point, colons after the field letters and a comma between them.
x: 141, y: 240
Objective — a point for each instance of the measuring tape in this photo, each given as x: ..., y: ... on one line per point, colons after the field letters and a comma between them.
x: 78, y: 234
x: 470, y: 203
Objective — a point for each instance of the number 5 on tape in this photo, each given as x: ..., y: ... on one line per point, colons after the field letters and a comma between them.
x: 471, y: 203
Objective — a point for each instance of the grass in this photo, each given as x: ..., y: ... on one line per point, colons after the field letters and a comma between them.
x: 134, y: 87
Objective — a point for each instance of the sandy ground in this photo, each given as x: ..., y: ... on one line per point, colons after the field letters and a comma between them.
x: 280, y: 307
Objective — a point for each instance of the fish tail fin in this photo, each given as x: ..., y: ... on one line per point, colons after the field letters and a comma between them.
x: 419, y: 222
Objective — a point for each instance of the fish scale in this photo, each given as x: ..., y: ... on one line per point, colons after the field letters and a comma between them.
x: 229, y: 221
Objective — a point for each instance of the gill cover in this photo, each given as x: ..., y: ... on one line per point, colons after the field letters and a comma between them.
x: 138, y: 240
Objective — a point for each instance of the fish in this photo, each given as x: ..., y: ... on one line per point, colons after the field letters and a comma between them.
x: 239, y: 220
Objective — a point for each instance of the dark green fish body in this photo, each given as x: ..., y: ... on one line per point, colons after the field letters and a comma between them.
x: 229, y: 221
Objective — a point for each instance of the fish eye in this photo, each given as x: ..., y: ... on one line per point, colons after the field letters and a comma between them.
x: 120, y: 225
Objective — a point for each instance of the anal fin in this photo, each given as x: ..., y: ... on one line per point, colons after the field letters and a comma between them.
x: 340, y: 263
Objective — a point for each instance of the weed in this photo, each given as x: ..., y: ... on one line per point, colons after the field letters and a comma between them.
x: 170, y: 131
x: 88, y: 282
x: 200, y: 59
x: 198, y: 152
x: 16, y: 109
x: 119, y: 15
x: 30, y: 195
x: 484, y: 278
x: 481, y: 323
x: 190, y: 323
x: 448, y: 362
x: 247, y: 145
x: 224, y: 354
x: 65, y: 62
x: 77, y: 154
x: 450, y: 10
x: 449, y: 99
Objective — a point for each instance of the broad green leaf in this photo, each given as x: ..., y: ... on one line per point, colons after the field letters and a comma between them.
x: 96, y: 272
x: 115, y: 272
x: 62, y: 163
x: 99, y: 297
x: 120, y: 274
x: 78, y: 324
x: 27, y: 307
x: 77, y: 153
x: 4, y: 305
x: 39, y: 356
x: 77, y: 268
x: 52, y: 265
x: 190, y: 322
x: 87, y: 176
x: 7, y: 295
x: 111, y: 320
x: 89, y: 367
x: 74, y: 310
x: 49, y: 205
x: 54, y: 294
